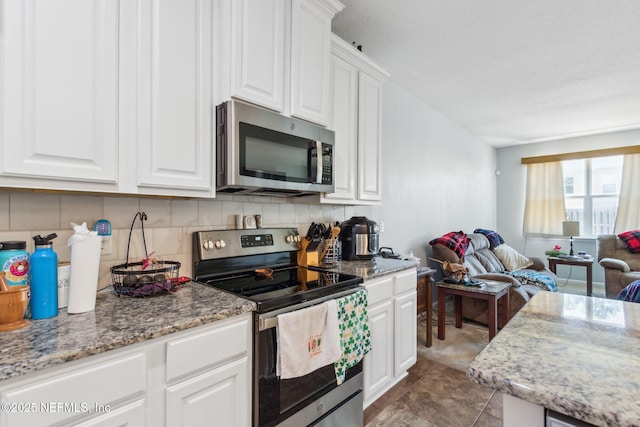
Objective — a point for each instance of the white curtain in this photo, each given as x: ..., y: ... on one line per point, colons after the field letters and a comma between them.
x: 544, y: 208
x: 628, y: 215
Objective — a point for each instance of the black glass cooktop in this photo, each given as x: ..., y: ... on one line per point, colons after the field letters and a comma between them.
x: 283, y: 287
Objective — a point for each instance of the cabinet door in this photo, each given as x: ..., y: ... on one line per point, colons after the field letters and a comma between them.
x: 219, y: 396
x: 369, y: 138
x: 175, y: 96
x: 59, y: 86
x: 405, y: 332
x: 310, y: 60
x: 131, y: 414
x: 345, y: 119
x: 378, y: 363
x: 258, y: 52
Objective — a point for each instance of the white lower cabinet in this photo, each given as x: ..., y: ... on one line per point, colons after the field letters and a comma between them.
x: 392, y: 321
x: 187, y: 378
x: 66, y: 394
x: 218, y: 393
x: 131, y: 414
x: 200, y: 387
x: 405, y: 331
x: 378, y: 365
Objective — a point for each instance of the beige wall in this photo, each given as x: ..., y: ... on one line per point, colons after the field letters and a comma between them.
x: 437, y: 176
x: 169, y: 227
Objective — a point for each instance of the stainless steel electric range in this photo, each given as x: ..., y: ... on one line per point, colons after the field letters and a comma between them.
x: 260, y: 264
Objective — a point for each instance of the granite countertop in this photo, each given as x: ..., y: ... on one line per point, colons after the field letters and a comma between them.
x: 375, y: 267
x: 120, y: 321
x: 575, y: 355
x: 116, y: 322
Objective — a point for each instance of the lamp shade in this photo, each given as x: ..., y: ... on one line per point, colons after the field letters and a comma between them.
x: 571, y: 228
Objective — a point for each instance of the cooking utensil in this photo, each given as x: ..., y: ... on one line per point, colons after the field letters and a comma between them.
x: 310, y: 231
x: 316, y: 233
x: 264, y: 272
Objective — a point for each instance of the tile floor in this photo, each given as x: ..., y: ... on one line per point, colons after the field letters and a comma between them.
x: 435, y: 395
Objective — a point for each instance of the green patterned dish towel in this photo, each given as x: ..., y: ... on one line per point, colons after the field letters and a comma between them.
x: 355, y: 337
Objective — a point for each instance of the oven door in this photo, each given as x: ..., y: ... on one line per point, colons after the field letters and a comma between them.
x: 312, y: 399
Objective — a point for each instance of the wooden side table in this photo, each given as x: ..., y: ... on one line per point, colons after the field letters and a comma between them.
x: 490, y: 292
x: 425, y: 298
x: 580, y: 262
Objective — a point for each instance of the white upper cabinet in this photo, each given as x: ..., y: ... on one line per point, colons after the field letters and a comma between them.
x: 369, y: 138
x: 174, y: 95
x: 258, y: 51
x: 276, y: 54
x: 357, y: 115
x: 59, y: 86
x: 311, y: 59
x: 107, y: 95
x: 345, y: 125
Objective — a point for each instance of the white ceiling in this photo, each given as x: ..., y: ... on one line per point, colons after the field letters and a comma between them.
x: 510, y: 71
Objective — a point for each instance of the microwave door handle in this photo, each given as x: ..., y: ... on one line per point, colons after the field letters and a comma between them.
x: 319, y: 162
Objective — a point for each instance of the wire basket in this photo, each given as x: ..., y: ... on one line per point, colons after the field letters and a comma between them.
x: 333, y: 253
x: 150, y: 277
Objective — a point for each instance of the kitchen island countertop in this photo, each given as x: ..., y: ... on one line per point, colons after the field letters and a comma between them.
x: 573, y: 354
x: 116, y: 322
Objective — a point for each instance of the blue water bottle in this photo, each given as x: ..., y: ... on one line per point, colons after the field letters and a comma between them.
x: 44, y: 278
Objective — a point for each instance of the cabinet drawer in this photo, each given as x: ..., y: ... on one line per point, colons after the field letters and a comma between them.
x: 222, y: 341
x: 405, y: 281
x: 379, y: 289
x: 131, y: 414
x: 76, y: 391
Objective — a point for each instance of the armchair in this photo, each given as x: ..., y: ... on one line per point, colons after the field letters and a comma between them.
x: 621, y: 267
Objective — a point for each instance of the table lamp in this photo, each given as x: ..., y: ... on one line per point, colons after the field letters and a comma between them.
x: 571, y: 228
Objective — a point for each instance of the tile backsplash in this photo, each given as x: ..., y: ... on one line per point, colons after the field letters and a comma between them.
x: 168, y: 229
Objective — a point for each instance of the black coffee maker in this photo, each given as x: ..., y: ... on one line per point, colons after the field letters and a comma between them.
x: 359, y: 238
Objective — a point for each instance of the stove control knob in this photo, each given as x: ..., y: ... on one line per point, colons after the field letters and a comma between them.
x: 290, y: 238
x: 297, y: 238
x: 207, y: 244
x: 220, y: 244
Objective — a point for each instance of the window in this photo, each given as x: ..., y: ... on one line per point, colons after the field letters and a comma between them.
x: 592, y: 188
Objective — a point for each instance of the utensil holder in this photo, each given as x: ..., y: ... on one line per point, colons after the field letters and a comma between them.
x: 305, y: 258
x: 332, y: 255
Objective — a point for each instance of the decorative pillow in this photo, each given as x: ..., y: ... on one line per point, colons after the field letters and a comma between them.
x: 630, y: 293
x: 494, y: 238
x: 457, y: 241
x: 632, y: 240
x: 511, y: 259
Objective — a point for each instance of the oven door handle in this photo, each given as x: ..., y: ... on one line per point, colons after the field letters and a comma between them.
x: 270, y: 320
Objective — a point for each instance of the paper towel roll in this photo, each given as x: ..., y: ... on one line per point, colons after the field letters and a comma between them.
x: 85, y: 268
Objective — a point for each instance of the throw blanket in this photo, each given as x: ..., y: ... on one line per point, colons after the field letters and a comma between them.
x: 534, y: 278
x: 355, y: 337
x: 631, y: 292
x: 308, y: 339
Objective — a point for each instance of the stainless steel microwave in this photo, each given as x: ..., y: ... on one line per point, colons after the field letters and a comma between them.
x: 262, y: 152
